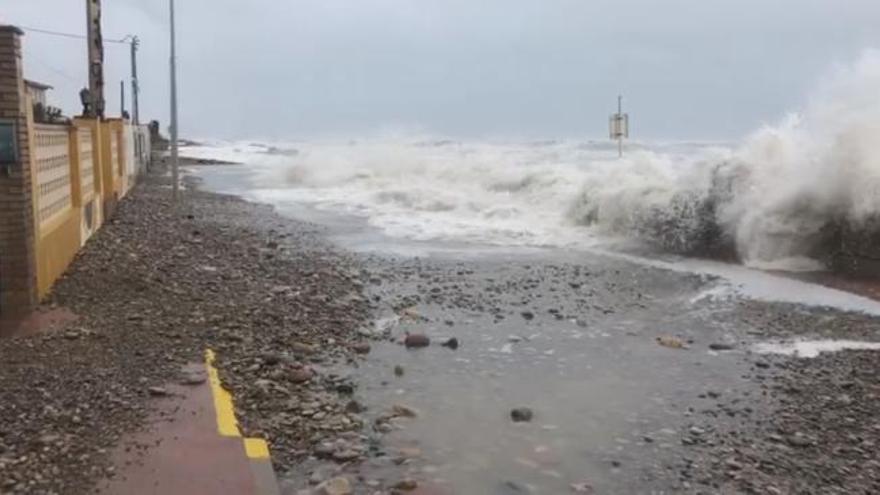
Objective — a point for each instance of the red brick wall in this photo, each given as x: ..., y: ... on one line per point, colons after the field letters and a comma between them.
x: 18, y: 287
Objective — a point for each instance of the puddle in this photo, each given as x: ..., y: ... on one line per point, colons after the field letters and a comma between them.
x: 608, y: 402
x: 761, y: 286
x: 812, y: 348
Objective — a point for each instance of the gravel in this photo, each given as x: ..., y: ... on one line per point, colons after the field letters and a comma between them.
x: 155, y: 287
x: 818, y: 435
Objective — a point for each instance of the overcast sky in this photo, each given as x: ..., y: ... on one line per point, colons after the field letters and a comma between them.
x: 688, y: 69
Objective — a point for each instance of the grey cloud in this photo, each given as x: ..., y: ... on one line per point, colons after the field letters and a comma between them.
x: 286, y: 69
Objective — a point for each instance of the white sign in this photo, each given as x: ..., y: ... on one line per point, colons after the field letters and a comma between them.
x: 618, y: 126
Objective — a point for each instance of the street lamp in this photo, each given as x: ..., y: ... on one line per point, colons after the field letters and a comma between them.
x: 174, y: 159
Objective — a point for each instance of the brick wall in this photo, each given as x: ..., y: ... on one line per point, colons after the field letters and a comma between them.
x: 18, y: 287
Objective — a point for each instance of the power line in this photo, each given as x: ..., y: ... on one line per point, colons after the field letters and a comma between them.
x: 71, y: 35
x: 56, y: 70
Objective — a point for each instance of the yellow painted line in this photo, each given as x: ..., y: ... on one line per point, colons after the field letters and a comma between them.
x: 256, y: 448
x: 227, y: 425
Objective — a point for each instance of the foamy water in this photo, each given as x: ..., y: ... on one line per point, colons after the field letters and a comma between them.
x: 773, y: 200
x: 499, y: 193
x: 812, y: 348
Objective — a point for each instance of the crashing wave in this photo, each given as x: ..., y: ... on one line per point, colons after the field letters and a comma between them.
x: 787, y: 196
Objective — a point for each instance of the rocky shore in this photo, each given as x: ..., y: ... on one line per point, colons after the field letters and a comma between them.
x: 798, y: 424
x: 156, y: 287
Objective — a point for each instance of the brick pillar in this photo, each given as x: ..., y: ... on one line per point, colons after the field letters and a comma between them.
x: 18, y: 279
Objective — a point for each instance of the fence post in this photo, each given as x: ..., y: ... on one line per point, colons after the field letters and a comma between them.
x: 18, y: 279
x: 75, y: 176
x: 108, y: 187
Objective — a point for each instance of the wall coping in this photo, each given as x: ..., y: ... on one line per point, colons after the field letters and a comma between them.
x: 9, y: 27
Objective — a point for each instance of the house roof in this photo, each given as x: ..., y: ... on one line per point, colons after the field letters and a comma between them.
x: 36, y: 85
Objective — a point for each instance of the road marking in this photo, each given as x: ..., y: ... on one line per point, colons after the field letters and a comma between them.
x: 227, y: 425
x: 256, y: 448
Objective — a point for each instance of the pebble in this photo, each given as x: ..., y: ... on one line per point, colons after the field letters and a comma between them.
x: 406, y: 485
x: 316, y: 478
x: 323, y: 450
x: 800, y: 440
x: 345, y: 455
x: 271, y: 358
x: 511, y: 488
x: 582, y: 487
x: 334, y: 486
x: 671, y: 342
x: 403, y: 411
x: 157, y: 391
x: 721, y: 346
x: 345, y: 388
x: 301, y: 375
x: 413, y: 340
x: 410, y: 452
x: 193, y: 379
x: 521, y: 414
x: 354, y: 407
x: 361, y: 347
x: 301, y: 348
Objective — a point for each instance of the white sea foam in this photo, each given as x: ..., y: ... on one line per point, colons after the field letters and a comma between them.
x: 812, y: 348
x: 772, y: 200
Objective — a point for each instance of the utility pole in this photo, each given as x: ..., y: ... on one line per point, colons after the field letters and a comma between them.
x: 174, y: 164
x: 135, y: 88
x: 619, y: 136
x: 96, y: 58
x: 121, y: 98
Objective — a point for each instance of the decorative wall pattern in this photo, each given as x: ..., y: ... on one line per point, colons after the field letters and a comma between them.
x: 52, y: 158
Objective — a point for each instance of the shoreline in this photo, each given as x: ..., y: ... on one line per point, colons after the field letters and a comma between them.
x: 836, y: 277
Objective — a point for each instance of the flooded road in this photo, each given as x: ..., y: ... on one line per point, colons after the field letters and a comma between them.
x: 643, y: 373
x: 613, y: 359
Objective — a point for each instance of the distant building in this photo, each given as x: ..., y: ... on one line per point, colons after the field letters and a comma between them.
x: 37, y: 91
x: 43, y: 112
